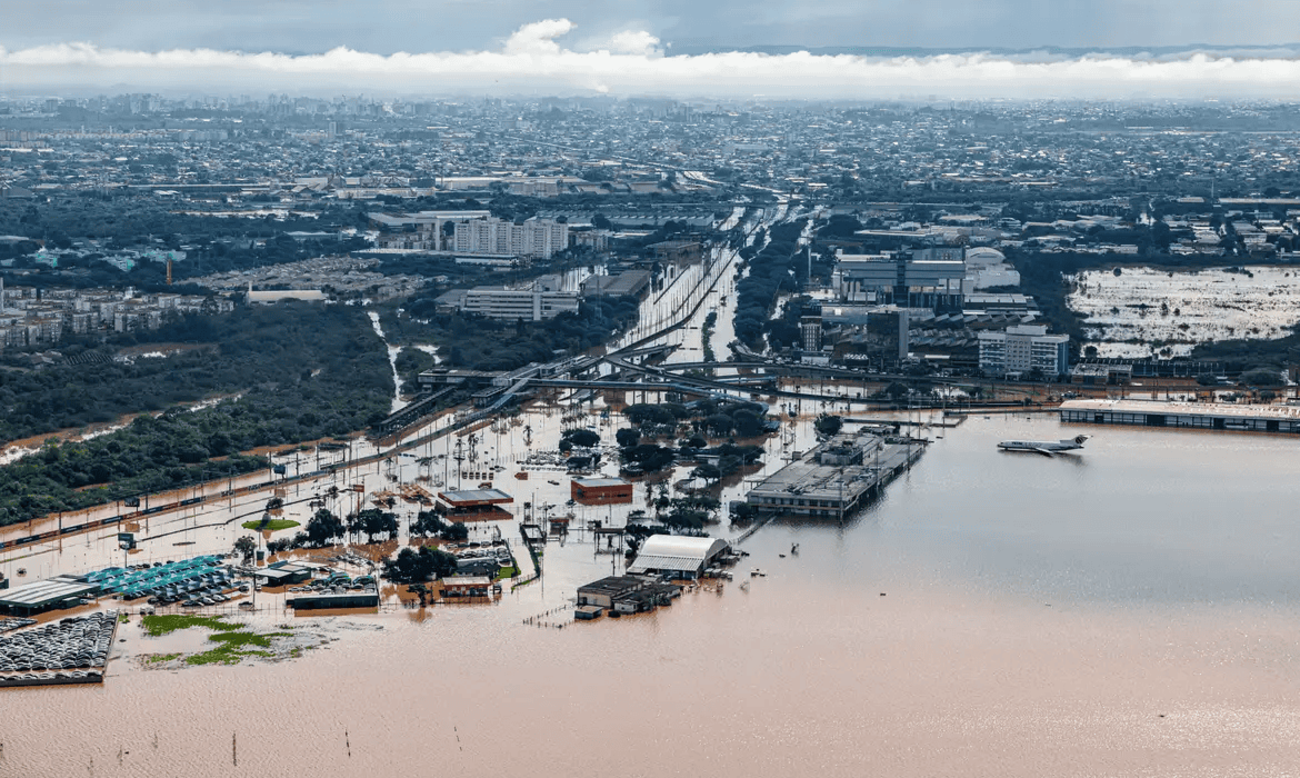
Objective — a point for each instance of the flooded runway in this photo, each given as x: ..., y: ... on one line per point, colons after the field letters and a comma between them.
x: 1130, y: 610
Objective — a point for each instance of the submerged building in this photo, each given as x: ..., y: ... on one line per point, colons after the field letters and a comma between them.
x: 677, y: 556
x: 1202, y: 416
x: 836, y: 478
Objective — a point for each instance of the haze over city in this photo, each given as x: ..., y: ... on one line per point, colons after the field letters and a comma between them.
x: 838, y: 50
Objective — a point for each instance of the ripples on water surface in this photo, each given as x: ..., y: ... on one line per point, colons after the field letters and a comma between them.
x: 1127, y: 611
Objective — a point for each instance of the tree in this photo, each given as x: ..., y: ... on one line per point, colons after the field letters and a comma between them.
x: 324, y: 528
x: 1262, y: 376
x: 649, y: 456
x: 246, y: 547
x: 707, y: 472
x: 719, y: 424
x: 428, y: 523
x: 627, y: 437
x: 455, y: 532
x: 748, y: 424
x: 828, y: 425
x: 372, y: 522
x: 581, y: 437
x: 413, y: 566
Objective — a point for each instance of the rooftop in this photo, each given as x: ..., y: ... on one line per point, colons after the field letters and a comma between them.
x: 41, y: 593
x: 489, y: 496
x: 1226, y: 410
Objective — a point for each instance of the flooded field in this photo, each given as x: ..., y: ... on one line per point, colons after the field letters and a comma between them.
x: 1111, y: 613
x: 1130, y: 312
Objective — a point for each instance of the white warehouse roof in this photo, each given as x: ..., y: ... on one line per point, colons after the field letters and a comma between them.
x: 676, y: 552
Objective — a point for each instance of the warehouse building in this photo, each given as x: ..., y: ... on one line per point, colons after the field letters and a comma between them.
x: 675, y: 556
x: 42, y: 596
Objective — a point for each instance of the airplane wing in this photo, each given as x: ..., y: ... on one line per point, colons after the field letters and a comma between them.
x: 1044, y: 451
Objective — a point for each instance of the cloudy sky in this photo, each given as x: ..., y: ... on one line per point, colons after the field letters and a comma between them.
x: 684, y: 47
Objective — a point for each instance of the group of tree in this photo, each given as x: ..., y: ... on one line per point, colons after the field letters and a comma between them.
x: 313, y: 372
x: 578, y: 437
x: 418, y: 566
x: 481, y: 343
x: 431, y: 524
x: 315, y: 363
x: 117, y: 221
x: 715, y: 418
x: 373, y: 523
x: 691, y: 512
x: 772, y: 271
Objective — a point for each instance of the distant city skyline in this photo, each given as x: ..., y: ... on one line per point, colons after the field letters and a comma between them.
x: 668, y: 47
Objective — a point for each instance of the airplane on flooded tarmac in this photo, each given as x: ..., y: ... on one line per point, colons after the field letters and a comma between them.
x: 1045, y: 447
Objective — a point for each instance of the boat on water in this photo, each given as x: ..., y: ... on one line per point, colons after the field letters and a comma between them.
x: 1045, y: 447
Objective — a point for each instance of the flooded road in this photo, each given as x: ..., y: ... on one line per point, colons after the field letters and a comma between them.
x: 1129, y: 610
x: 398, y: 403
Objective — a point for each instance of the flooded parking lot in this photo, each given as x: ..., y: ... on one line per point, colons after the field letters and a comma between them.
x: 1177, y: 309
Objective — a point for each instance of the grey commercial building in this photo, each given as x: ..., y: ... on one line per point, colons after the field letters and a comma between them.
x: 42, y: 596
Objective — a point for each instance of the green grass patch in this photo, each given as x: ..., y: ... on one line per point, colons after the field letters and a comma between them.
x: 122, y: 618
x: 233, y: 641
x: 234, y: 646
x: 507, y: 572
x: 155, y: 659
x: 158, y: 625
x: 273, y: 525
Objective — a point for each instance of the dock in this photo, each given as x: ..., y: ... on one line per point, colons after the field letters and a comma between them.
x: 836, y: 478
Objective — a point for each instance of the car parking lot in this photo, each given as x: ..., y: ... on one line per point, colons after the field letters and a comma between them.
x: 72, y: 650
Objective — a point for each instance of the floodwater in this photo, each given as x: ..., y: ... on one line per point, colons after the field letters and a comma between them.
x: 398, y: 402
x: 1129, y: 610
x: 1195, y: 307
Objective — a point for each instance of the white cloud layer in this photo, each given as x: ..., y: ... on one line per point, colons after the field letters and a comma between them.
x: 633, y: 62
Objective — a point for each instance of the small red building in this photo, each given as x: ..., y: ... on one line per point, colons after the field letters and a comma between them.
x: 600, y: 491
x: 474, y: 504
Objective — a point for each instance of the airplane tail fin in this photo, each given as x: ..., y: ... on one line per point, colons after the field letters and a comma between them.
x: 1081, y: 439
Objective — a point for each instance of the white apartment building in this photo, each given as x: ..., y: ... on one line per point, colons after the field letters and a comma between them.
x: 471, y: 232
x: 513, y: 304
x: 535, y: 238
x: 1022, y: 349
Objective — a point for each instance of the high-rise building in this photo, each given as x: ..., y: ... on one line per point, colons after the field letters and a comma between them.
x: 1023, y: 349
x: 810, y: 332
x: 534, y: 238
x: 471, y: 232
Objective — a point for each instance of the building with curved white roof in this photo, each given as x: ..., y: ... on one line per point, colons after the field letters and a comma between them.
x: 677, y: 556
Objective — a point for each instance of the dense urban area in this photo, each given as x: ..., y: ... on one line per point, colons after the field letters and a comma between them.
x: 230, y: 298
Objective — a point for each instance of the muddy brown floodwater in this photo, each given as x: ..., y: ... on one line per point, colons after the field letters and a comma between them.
x: 1127, y: 611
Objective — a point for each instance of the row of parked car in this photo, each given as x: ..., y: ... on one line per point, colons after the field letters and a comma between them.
x: 207, y: 589
x: 339, y: 583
